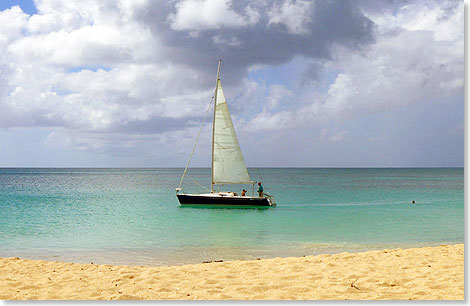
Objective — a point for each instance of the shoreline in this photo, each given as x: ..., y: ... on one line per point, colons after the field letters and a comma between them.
x: 416, y: 273
x: 178, y: 257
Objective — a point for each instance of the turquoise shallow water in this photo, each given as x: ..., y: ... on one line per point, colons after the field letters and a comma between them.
x: 131, y: 216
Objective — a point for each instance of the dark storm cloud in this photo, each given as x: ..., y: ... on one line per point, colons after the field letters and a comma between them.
x: 331, y: 22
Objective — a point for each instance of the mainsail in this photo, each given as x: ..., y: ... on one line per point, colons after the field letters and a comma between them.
x: 228, y: 165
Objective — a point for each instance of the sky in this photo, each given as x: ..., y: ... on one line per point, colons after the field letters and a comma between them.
x: 126, y: 83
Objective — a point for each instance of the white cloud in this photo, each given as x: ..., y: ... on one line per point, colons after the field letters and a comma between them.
x: 48, y: 77
x: 407, y: 64
x: 293, y: 14
x: 101, y: 78
x: 13, y: 21
x: 276, y: 93
x: 432, y: 16
x: 198, y: 15
x: 266, y: 121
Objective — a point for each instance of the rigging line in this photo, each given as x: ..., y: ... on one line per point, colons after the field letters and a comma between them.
x: 205, y: 188
x: 197, y: 139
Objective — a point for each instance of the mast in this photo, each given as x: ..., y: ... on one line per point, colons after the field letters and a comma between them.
x: 213, y: 126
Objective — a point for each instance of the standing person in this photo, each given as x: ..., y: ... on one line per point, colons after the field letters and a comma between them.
x: 243, y: 192
x: 260, y: 189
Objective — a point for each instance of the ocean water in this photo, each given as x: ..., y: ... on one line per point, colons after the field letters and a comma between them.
x: 131, y: 216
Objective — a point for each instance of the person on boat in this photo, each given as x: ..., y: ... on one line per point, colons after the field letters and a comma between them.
x: 243, y: 192
x: 260, y: 189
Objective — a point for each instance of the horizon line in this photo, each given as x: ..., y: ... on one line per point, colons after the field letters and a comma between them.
x: 265, y: 167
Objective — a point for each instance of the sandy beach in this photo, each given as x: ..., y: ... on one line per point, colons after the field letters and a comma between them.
x: 420, y: 273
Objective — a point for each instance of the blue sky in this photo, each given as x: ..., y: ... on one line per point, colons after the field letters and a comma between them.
x: 309, y: 83
x: 26, y: 5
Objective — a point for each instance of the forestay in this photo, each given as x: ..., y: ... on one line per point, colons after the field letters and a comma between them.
x: 228, y: 164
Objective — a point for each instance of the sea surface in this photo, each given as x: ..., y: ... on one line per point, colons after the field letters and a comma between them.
x: 132, y: 217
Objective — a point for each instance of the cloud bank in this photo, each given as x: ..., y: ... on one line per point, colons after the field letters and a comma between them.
x: 123, y: 76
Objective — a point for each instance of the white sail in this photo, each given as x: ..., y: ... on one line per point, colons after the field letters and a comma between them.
x: 228, y: 164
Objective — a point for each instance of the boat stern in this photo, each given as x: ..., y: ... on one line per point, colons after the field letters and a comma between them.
x: 271, y: 200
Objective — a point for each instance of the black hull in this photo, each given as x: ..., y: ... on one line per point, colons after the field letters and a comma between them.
x: 186, y: 199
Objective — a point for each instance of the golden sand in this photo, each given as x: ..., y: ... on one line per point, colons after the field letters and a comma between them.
x: 421, y: 273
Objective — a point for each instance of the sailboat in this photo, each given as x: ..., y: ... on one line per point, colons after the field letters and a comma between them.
x: 228, y: 165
